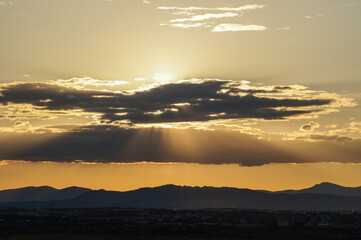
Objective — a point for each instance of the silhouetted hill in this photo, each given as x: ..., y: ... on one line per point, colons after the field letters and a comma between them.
x: 178, y: 197
x: 328, y: 188
x: 44, y: 193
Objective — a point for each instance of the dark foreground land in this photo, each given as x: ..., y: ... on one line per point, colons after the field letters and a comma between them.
x: 136, y: 224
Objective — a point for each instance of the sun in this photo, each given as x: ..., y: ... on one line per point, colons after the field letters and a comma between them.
x: 163, y: 77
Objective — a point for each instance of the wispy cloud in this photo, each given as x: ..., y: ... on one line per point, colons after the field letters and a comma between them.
x: 186, y: 25
x: 88, y: 83
x: 284, y: 28
x: 3, y: 3
x: 315, y: 132
x: 310, y: 17
x: 232, y: 27
x: 227, y: 12
x: 205, y: 17
x: 236, y: 9
x: 311, y: 126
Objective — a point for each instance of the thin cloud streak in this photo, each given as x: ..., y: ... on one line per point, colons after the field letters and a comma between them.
x: 231, y: 27
x: 205, y: 17
x: 235, y: 9
x: 187, y: 25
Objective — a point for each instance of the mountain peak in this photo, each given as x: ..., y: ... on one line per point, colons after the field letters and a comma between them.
x: 75, y: 188
x: 327, y: 185
x: 168, y: 186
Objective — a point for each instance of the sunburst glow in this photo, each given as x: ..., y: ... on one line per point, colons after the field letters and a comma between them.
x: 163, y: 77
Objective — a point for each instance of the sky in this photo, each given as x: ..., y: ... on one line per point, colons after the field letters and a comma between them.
x: 123, y: 94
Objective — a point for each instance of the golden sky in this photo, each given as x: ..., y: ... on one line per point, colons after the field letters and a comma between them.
x: 121, y: 94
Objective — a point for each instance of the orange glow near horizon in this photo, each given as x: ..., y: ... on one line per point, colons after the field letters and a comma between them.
x: 122, y: 177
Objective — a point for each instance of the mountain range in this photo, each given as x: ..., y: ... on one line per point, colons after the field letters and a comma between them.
x: 44, y: 193
x: 324, y: 196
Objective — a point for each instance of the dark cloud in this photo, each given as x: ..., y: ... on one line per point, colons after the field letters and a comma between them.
x: 173, y: 102
x: 111, y: 144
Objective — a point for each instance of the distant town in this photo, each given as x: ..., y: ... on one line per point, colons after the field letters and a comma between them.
x: 235, y: 217
x: 208, y: 223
